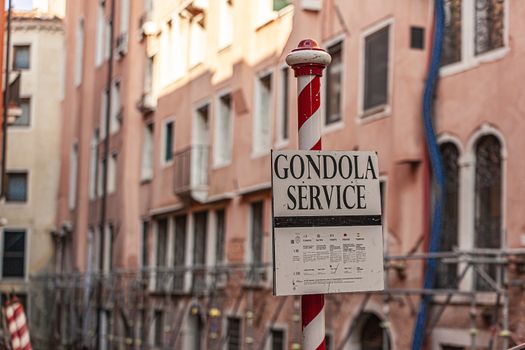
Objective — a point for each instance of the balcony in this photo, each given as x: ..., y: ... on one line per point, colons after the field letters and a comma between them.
x: 191, y: 173
x: 147, y: 103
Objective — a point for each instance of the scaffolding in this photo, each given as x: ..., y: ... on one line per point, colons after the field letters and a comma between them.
x: 64, y: 306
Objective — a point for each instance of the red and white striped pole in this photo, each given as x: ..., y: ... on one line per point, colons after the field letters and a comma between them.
x: 308, y: 61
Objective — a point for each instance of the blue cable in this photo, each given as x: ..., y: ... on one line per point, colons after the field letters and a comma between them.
x: 437, y: 169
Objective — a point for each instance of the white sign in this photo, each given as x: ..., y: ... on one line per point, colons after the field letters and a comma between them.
x: 327, y: 234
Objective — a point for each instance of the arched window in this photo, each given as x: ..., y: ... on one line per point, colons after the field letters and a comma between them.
x: 488, y: 208
x: 447, y: 273
x: 372, y: 333
x: 368, y: 333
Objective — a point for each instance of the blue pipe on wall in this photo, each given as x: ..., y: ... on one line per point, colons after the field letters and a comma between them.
x: 437, y: 170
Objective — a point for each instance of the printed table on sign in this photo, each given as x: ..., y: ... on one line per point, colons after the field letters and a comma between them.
x: 327, y: 233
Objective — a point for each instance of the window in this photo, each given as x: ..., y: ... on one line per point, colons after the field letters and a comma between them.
x: 13, y: 261
x: 452, y: 347
x: 277, y: 337
x: 233, y: 333
x: 101, y: 27
x: 226, y: 23
x: 451, y: 51
x: 168, y: 141
x: 263, y: 113
x: 417, y: 38
x: 280, y: 4
x: 100, y: 177
x: 124, y: 16
x: 220, y: 232
x: 116, y: 107
x: 334, y: 81
x: 329, y: 341
x: 103, y: 111
x: 179, y: 256
x: 446, y: 274
x: 16, y: 187
x: 25, y: 118
x: 197, y: 39
x: 147, y: 153
x: 488, y: 197
x: 283, y: 111
x: 107, y: 38
x: 105, y: 330
x: 148, y: 75
x: 112, y: 173
x: 158, y: 331
x: 97, y: 248
x: 199, y: 156
x: 472, y: 28
x: 22, y: 299
x: 372, y: 335
x: 199, y: 250
x: 108, y: 247
x: 195, y: 330
x: 172, y: 53
x: 93, y: 165
x: 162, y: 241
x: 223, y: 131
x: 256, y: 237
x: 73, y: 174
x: 79, y: 52
x: 162, y: 253
x: 376, y: 69
x: 22, y: 57
x: 144, y: 247
x: 489, y: 16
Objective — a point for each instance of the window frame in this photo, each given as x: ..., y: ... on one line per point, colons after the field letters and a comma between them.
x: 226, y: 327
x: 116, y: 112
x: 219, y: 161
x: 73, y: 175
x: 27, y: 197
x: 145, y: 229
x: 144, y: 177
x: 80, y: 33
x: 441, y: 267
x: 258, y: 150
x: 277, y: 327
x: 27, y: 233
x: 163, y: 154
x: 196, y: 32
x: 29, y: 124
x: 17, y: 47
x: 466, y: 230
x: 93, y: 165
x: 100, y: 34
x: 469, y: 59
x: 385, y: 110
x: 283, y: 106
x: 225, y: 39
x: 112, y: 170
x: 338, y: 124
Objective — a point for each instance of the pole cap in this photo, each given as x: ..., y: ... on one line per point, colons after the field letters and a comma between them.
x: 308, y: 58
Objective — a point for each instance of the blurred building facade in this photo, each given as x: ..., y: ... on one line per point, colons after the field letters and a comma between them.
x: 164, y: 198
x: 33, y: 150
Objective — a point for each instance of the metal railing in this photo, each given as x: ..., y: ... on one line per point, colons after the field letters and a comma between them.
x: 131, y: 293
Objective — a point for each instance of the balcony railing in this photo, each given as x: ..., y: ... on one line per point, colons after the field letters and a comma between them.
x: 191, y: 172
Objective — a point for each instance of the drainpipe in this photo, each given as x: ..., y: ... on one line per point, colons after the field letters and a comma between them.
x: 105, y: 171
x: 6, y: 103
